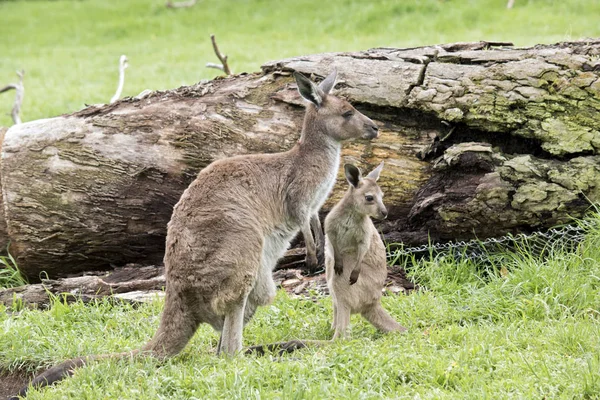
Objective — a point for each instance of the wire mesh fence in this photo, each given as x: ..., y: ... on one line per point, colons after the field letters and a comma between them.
x: 537, y: 243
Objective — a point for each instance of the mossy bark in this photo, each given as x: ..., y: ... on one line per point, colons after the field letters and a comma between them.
x: 478, y: 141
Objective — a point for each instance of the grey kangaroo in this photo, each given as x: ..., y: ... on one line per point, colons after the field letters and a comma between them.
x: 355, y: 256
x: 233, y: 223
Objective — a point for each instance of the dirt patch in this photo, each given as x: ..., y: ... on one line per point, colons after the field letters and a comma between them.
x: 11, y: 382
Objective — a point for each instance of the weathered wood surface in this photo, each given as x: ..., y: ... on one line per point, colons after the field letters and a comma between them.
x: 136, y: 284
x: 477, y: 140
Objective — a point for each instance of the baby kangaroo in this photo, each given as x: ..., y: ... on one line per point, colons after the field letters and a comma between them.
x: 355, y: 256
x: 233, y: 223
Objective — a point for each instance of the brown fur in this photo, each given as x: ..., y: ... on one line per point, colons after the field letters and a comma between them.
x: 355, y: 256
x: 233, y: 223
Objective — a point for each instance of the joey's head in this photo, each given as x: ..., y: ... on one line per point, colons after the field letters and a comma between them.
x: 332, y: 115
x: 365, y: 194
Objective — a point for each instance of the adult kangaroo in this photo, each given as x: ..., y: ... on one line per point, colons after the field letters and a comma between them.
x: 235, y: 221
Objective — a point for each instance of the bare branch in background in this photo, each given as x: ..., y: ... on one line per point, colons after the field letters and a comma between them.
x: 20, y: 93
x: 181, y: 4
x: 223, y: 58
x: 122, y: 66
x: 510, y: 4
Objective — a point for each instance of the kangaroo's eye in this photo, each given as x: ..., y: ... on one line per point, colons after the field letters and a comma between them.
x: 369, y: 198
x: 348, y: 114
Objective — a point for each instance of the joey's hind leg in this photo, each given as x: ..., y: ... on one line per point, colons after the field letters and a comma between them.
x: 381, y: 320
x: 335, y: 315
x: 341, y: 321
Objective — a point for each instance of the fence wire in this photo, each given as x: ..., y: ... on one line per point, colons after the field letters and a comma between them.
x: 537, y: 243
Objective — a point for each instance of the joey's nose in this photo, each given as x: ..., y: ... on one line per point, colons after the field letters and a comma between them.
x: 384, y: 213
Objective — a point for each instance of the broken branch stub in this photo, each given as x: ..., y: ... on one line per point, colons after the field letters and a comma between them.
x: 19, y: 89
x: 224, y: 66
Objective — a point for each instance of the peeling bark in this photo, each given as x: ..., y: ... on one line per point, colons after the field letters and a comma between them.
x: 135, y: 284
x: 478, y: 141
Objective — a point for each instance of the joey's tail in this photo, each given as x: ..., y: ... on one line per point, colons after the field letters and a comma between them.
x: 66, y: 369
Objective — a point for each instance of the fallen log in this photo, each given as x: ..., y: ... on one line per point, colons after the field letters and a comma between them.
x: 135, y: 284
x: 478, y: 141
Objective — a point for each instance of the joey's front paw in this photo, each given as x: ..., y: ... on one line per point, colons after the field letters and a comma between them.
x: 338, y: 269
x: 354, y: 277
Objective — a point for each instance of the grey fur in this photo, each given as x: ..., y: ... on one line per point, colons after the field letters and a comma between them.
x: 355, y: 256
x: 233, y: 223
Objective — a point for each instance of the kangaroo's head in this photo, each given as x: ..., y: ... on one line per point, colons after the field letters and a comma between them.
x: 331, y: 115
x: 365, y: 195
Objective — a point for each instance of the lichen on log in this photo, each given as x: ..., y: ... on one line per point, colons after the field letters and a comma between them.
x: 478, y: 140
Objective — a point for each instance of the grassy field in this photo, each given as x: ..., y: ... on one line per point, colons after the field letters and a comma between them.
x: 70, y: 49
x: 524, y: 328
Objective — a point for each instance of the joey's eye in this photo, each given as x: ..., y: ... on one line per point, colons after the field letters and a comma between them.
x: 369, y: 198
x: 348, y: 114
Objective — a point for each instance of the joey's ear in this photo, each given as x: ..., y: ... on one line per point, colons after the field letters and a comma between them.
x: 308, y: 89
x: 352, y: 174
x: 375, y: 173
x: 328, y: 83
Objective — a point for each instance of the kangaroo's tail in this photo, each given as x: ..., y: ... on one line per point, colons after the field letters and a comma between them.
x: 285, y: 347
x: 64, y: 370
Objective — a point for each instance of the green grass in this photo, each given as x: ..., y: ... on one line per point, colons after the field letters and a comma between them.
x: 475, y: 333
x: 10, y: 276
x: 70, y: 49
x: 525, y: 328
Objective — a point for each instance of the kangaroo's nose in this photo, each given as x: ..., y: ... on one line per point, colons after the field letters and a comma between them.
x: 371, y: 131
x: 384, y: 213
x: 375, y: 130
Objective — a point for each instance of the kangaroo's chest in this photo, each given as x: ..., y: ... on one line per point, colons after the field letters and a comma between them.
x: 348, y: 239
x: 325, y: 186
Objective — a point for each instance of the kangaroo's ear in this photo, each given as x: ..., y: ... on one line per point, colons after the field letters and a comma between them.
x: 309, y: 90
x: 375, y: 173
x: 352, y: 174
x: 328, y: 83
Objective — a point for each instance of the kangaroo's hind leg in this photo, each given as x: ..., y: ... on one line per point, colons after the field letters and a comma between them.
x: 381, y: 320
x: 264, y: 290
x: 231, y: 338
x: 262, y: 293
x: 178, y: 324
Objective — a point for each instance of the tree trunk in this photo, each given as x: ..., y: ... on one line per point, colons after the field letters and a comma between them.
x: 478, y: 141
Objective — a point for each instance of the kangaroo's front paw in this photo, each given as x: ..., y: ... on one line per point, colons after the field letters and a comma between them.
x: 320, y: 257
x: 311, y: 262
x: 354, y: 277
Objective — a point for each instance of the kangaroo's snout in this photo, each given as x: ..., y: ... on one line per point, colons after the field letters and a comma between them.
x: 382, y: 214
x: 372, y: 131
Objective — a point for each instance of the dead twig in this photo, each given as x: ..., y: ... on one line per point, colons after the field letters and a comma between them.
x: 20, y: 93
x: 223, y: 58
x: 510, y: 4
x: 181, y: 4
